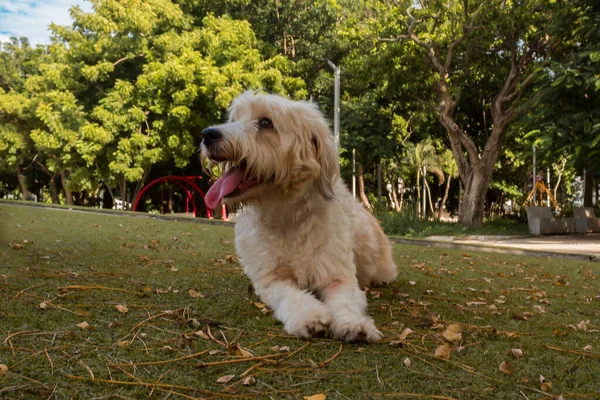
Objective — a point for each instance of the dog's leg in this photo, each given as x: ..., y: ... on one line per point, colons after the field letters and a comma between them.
x: 302, y: 314
x: 348, y: 304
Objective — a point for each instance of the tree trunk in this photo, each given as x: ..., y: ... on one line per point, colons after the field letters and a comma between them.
x: 401, y: 199
x: 394, y: 191
x: 561, y: 171
x: 418, y: 192
x: 361, y: 187
x: 53, y: 190
x: 445, y: 198
x: 470, y: 211
x: 588, y: 188
x: 429, y: 197
x: 68, y: 193
x: 22, y: 184
x: 123, y: 185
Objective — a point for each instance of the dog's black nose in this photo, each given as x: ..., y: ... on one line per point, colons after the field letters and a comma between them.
x: 210, y: 135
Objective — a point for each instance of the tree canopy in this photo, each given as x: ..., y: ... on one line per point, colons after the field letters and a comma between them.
x: 128, y: 87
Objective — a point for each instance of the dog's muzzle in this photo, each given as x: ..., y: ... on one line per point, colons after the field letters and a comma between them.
x: 211, y: 136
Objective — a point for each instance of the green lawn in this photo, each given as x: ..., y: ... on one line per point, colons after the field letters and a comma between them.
x: 191, y: 319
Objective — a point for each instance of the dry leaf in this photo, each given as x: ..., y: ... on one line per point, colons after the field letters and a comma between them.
x: 248, y: 381
x: 284, y: 349
x: 275, y: 348
x: 405, y: 333
x: 241, y: 352
x: 195, y: 294
x: 412, y: 283
x: 453, y: 333
x: 17, y: 246
x: 407, y: 362
x: 84, y: 325
x: 545, y: 385
x: 506, y: 367
x: 588, y: 348
x: 476, y: 303
x: 225, y: 379
x: 3, y: 369
x: 124, y: 343
x: 583, y: 325
x: 121, y: 308
x: 539, y: 309
x: 43, y: 305
x: 258, y: 304
x: 319, y: 396
x: 443, y: 351
x: 517, y: 353
x: 202, y: 335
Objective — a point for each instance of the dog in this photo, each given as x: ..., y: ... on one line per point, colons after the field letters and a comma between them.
x: 306, y: 244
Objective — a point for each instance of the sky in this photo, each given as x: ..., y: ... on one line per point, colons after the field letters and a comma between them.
x: 31, y: 18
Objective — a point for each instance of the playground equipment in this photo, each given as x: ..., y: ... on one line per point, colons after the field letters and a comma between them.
x: 188, y: 185
x: 536, y: 196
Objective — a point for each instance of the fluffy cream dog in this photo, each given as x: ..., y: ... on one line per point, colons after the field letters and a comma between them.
x: 305, y: 243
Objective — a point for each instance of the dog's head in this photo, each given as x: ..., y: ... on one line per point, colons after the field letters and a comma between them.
x: 270, y: 145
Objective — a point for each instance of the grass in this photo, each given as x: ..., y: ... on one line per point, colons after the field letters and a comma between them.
x: 406, y: 224
x: 61, y: 268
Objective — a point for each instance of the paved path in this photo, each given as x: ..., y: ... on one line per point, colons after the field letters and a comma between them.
x: 574, y: 244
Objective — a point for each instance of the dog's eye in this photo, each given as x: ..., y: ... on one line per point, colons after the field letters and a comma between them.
x: 265, y: 123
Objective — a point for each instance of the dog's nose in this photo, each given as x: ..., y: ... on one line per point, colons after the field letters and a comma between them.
x: 210, y: 135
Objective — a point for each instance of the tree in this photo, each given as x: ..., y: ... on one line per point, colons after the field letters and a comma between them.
x: 564, y: 117
x: 450, y: 169
x: 18, y: 61
x: 495, y: 44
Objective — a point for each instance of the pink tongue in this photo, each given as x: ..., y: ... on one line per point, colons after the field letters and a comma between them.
x: 222, y: 187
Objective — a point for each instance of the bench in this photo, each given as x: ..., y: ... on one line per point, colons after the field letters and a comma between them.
x: 585, y: 220
x: 542, y: 222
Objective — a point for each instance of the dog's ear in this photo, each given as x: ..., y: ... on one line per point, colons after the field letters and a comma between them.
x: 328, y: 160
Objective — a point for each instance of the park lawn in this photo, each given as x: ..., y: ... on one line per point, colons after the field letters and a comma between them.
x: 167, y: 309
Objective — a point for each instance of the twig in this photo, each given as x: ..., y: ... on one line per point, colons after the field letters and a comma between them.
x: 419, y: 395
x: 89, y: 370
x: 237, y: 360
x: 97, y: 287
x: 26, y: 289
x: 168, y: 312
x: 51, y: 363
x: 149, y: 384
x: 210, y: 335
x: 160, y: 362
x: 581, y: 353
x: 377, y: 373
x: 324, y: 363
x: 53, y: 390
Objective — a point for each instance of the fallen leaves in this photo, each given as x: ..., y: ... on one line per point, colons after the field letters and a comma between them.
x: 544, y: 384
x: 407, y: 362
x: 319, y: 396
x: 194, y: 294
x: 443, y: 351
x: 84, y: 325
x: 506, y: 367
x: 517, y: 353
x: 3, y: 369
x: 122, y: 309
x: 17, y: 246
x: 224, y: 379
x: 453, y: 333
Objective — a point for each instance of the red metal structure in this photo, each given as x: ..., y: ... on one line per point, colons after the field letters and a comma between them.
x: 187, y: 184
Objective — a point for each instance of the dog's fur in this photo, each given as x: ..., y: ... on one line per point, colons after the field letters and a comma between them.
x: 303, y: 240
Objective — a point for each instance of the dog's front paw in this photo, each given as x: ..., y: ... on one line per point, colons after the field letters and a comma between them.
x: 310, y: 323
x: 355, y: 329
